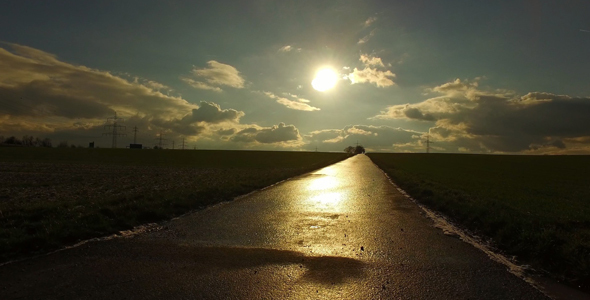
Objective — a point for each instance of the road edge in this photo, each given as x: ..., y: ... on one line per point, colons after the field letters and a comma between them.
x: 442, y: 222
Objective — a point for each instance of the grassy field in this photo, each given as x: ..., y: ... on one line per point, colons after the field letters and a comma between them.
x: 51, y: 197
x: 534, y: 207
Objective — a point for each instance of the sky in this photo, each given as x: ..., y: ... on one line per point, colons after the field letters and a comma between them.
x: 469, y: 76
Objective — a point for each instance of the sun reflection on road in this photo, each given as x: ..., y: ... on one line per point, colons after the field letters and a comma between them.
x: 326, y: 200
x: 324, y: 192
x: 323, y: 183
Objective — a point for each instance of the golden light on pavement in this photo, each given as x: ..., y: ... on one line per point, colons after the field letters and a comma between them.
x: 323, y: 183
x: 327, y: 201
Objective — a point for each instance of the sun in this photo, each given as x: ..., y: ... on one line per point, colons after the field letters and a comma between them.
x: 324, y: 80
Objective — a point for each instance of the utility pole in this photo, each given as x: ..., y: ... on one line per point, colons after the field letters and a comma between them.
x: 172, y: 144
x: 182, y: 143
x: 316, y: 148
x: 428, y: 142
x: 161, y: 140
x: 357, y: 143
x: 135, y: 134
x: 113, y: 127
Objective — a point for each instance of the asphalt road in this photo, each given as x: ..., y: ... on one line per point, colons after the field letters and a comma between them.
x: 342, y: 232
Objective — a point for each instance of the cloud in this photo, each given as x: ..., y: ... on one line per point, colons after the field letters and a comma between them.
x: 367, y: 37
x: 43, y: 96
x: 371, y: 60
x: 212, y: 113
x: 35, y: 84
x: 370, y: 21
x: 325, y: 136
x: 224, y: 132
x: 156, y: 85
x: 280, y: 133
x: 298, y: 104
x: 216, y: 75
x: 371, y: 75
x: 289, y: 48
x: 498, y: 120
x: 200, y: 85
x: 374, y: 138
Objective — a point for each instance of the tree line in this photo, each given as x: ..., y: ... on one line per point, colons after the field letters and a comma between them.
x: 354, y: 150
x: 30, y: 141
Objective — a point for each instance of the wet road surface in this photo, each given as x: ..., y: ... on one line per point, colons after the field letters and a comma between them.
x: 342, y: 232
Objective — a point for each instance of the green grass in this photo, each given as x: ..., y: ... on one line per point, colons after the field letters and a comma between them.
x: 50, y: 198
x: 168, y: 158
x: 534, y: 207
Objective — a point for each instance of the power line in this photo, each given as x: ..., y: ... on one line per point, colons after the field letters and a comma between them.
x: 112, y: 125
x: 428, y: 142
x: 161, y: 140
x: 182, y: 143
x: 135, y: 134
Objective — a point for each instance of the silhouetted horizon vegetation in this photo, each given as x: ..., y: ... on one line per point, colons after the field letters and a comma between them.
x: 26, y: 141
x: 359, y: 149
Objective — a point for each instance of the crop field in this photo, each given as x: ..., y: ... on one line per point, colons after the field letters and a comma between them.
x: 534, y: 207
x: 51, y: 197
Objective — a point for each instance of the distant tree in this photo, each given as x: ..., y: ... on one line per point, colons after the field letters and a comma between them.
x: 62, y: 144
x: 72, y: 146
x: 37, y: 142
x: 27, y: 141
x: 2, y: 139
x: 354, y: 150
x: 359, y: 149
x: 156, y: 147
x: 13, y: 141
x: 46, y: 143
x: 349, y: 150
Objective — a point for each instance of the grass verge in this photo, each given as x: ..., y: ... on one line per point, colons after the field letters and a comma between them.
x: 50, y: 198
x: 534, y: 207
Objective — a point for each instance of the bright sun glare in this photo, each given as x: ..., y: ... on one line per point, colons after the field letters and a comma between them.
x: 324, y: 80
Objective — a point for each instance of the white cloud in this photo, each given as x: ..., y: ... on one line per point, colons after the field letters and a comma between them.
x: 35, y: 84
x: 212, y: 113
x: 298, y: 104
x: 277, y: 134
x: 370, y: 21
x: 286, y: 48
x: 374, y: 138
x: 216, y: 75
x: 371, y: 75
x: 156, y: 85
x: 289, y: 48
x: 367, y: 37
x: 43, y: 96
x: 498, y: 120
x: 200, y: 85
x: 371, y: 60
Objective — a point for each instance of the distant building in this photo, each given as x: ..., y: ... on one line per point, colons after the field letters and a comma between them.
x: 135, y: 146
